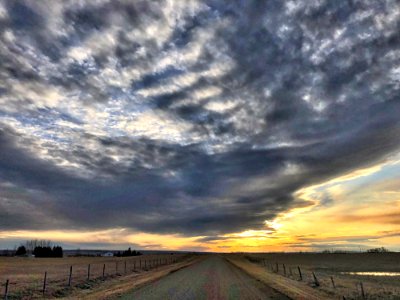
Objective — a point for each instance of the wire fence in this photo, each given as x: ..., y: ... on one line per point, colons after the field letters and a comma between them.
x: 59, y: 281
x: 330, y: 283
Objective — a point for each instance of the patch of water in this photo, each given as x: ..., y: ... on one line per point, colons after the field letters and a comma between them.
x: 373, y: 273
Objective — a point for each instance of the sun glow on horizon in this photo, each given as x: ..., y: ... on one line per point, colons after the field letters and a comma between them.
x: 319, y: 226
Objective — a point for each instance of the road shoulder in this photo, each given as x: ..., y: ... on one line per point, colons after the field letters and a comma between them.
x: 288, y: 287
x: 114, y: 288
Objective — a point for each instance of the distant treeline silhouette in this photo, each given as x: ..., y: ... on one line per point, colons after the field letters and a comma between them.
x: 39, y: 248
x: 373, y: 250
x: 378, y: 250
x: 56, y: 251
x: 128, y: 252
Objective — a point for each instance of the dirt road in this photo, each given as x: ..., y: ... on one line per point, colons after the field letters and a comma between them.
x: 213, y: 278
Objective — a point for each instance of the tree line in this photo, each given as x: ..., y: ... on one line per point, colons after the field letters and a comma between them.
x: 128, y: 252
x: 39, y: 248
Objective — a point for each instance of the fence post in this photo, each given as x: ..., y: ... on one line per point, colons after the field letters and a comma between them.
x: 277, y: 268
x: 145, y: 264
x: 290, y: 271
x: 104, y: 269
x: 315, y: 279
x: 134, y: 265
x: 362, y: 290
x: 70, y: 276
x: 140, y: 264
x: 301, y: 276
x: 284, y: 270
x: 125, y: 267
x: 264, y: 262
x: 333, y: 283
x: 116, y: 267
x: 88, y: 272
x: 44, y: 283
x: 6, y: 291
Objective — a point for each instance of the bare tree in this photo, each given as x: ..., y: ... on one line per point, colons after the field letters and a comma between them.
x: 32, y: 244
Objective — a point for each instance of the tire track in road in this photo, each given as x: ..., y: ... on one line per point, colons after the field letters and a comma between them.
x: 212, y: 278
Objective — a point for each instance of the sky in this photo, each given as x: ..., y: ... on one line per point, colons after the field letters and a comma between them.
x: 200, y: 125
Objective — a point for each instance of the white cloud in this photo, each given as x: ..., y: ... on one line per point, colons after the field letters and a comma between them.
x: 157, y: 125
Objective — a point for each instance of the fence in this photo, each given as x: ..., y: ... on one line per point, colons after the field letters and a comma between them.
x: 58, y: 282
x: 328, y: 282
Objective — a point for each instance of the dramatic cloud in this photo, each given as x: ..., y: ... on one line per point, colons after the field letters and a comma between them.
x: 194, y: 117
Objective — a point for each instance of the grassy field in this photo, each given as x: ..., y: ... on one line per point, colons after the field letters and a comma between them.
x: 26, y: 275
x: 328, y: 266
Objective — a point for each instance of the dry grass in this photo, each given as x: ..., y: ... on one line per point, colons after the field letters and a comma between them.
x: 26, y: 274
x: 294, y: 290
x: 328, y: 265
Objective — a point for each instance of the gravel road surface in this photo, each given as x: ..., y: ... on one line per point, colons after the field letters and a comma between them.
x: 212, y: 278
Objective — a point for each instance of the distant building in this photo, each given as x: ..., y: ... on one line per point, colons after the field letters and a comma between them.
x: 108, y: 254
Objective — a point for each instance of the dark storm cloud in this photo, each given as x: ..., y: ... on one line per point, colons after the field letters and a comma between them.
x: 201, y: 119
